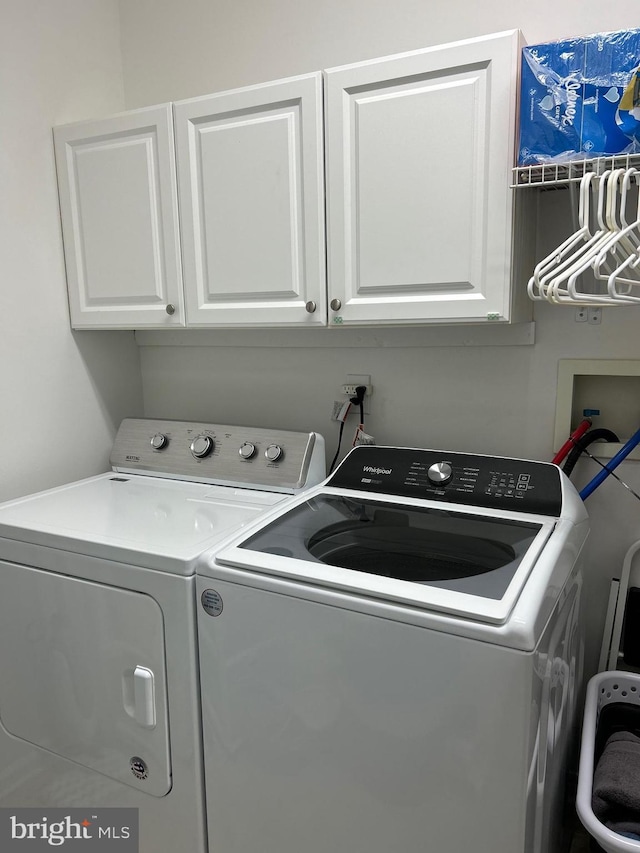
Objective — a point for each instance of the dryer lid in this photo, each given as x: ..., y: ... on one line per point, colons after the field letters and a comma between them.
x: 144, y: 521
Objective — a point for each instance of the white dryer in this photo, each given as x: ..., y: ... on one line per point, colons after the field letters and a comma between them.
x: 393, y: 660
x: 99, y: 703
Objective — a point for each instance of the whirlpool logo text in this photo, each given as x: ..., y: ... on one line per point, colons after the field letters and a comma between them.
x: 369, y: 469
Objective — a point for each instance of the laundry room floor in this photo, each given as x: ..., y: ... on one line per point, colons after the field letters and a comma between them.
x: 581, y: 841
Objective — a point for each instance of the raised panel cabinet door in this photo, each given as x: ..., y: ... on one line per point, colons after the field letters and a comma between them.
x: 251, y: 192
x: 419, y: 155
x: 119, y: 209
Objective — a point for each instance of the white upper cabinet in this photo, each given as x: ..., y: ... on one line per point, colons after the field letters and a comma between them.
x: 118, y: 204
x: 251, y: 194
x: 419, y: 210
x: 418, y: 215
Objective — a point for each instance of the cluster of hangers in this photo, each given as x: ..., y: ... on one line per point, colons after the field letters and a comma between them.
x: 599, y: 264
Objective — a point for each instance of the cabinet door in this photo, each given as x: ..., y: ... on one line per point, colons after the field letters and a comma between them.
x: 419, y: 152
x: 250, y: 185
x: 119, y: 213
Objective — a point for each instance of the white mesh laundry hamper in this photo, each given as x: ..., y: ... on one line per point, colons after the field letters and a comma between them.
x: 603, y: 689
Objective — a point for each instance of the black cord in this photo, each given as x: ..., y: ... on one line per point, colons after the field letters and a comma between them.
x: 581, y: 444
x: 335, y: 458
x: 358, y: 400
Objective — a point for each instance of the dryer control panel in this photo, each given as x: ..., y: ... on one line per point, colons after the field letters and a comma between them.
x: 464, y: 478
x: 244, y: 456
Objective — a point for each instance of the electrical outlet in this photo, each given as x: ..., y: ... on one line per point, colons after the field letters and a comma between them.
x: 352, y: 381
x: 350, y: 389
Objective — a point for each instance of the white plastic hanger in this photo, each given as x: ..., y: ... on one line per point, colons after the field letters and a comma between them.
x: 607, y: 203
x: 598, y: 264
x: 579, y: 260
x: 608, y: 200
x: 555, y: 259
x: 624, y: 231
x: 627, y: 246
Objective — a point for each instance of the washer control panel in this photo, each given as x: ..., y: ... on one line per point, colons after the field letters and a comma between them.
x: 249, y: 457
x: 484, y: 481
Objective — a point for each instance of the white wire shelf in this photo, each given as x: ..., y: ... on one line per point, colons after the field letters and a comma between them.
x: 559, y: 174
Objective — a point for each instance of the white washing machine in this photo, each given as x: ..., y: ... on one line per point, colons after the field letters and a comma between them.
x: 392, y: 660
x: 99, y: 702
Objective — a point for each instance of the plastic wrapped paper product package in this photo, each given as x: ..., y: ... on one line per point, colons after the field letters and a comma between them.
x: 579, y: 98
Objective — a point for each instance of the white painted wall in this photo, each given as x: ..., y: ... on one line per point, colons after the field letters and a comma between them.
x: 61, y: 394
x: 496, y: 399
x: 177, y: 50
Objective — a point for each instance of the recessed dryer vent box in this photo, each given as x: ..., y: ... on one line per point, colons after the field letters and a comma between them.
x: 609, y: 387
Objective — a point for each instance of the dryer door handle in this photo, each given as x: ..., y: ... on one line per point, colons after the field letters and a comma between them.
x: 139, y: 697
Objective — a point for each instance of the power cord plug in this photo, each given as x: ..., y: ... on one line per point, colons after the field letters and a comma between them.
x: 360, y: 437
x: 358, y: 399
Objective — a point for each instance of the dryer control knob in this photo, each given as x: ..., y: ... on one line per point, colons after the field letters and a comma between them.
x: 202, y: 446
x: 440, y: 473
x: 159, y: 441
x: 247, y: 450
x: 273, y: 453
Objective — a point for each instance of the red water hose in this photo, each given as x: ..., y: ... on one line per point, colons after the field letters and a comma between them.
x: 569, y: 443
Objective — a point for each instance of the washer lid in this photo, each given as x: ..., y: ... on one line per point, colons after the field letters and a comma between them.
x: 425, y: 555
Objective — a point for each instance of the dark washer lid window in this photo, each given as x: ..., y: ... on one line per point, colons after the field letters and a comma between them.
x: 457, y: 551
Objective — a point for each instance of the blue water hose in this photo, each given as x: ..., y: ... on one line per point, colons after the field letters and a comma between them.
x: 611, y: 466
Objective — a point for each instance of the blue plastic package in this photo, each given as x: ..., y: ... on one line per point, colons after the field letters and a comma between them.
x: 571, y: 98
x: 628, y: 112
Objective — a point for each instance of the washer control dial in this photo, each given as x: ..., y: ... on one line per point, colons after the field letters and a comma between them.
x: 201, y: 446
x: 159, y: 441
x: 273, y: 453
x: 247, y: 450
x: 440, y: 473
